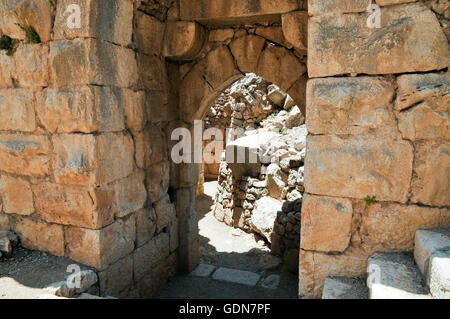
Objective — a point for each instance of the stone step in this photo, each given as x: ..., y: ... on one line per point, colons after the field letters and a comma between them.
x: 432, y: 255
x: 395, y: 276
x: 345, y: 288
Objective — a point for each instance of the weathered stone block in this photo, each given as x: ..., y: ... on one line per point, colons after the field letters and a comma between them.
x: 326, y: 223
x: 295, y: 29
x: 24, y: 155
x: 17, y: 110
x: 74, y: 205
x: 246, y: 51
x: 31, y: 65
x: 40, y: 236
x: 158, y: 179
x: 102, y: 19
x: 149, y: 33
x: 150, y: 255
x: 423, y: 101
x: 218, y: 68
x: 223, y: 10
x: 350, y: 106
x: 183, y: 40
x: 6, y: 70
x: 392, y: 227
x: 117, y: 278
x: 280, y: 66
x: 36, y: 14
x: 16, y: 195
x: 151, y: 147
x: 100, y: 248
x: 356, y: 167
x: 4, y: 221
x: 134, y: 108
x: 411, y: 39
x: 431, y: 179
x: 88, y: 159
x: 87, y: 109
x: 145, y: 226
x: 90, y: 61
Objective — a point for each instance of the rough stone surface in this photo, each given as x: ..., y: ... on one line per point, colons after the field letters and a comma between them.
x: 236, y: 276
x: 411, y: 40
x: 344, y: 288
x: 350, y: 106
x: 353, y: 167
x: 25, y: 154
x: 264, y: 216
x: 295, y: 29
x: 326, y: 223
x: 394, y: 276
x: 431, y: 178
x: 40, y: 236
x: 16, y: 195
x: 423, y: 100
x: 17, y: 106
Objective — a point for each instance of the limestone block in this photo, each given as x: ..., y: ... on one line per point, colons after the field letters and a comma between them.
x: 150, y: 255
x: 218, y: 68
x: 152, y: 72
x: 102, y: 19
x: 183, y: 40
x: 315, y: 267
x: 411, y: 39
x: 4, y: 221
x: 431, y: 179
x: 90, y: 61
x: 87, y: 109
x: 24, y: 154
x: 280, y: 66
x: 145, y: 226
x: 350, y: 106
x: 326, y: 223
x: 319, y: 7
x: 356, y: 167
x: 17, y: 110
x: 40, y: 236
x: 276, y: 181
x: 31, y: 65
x: 264, y: 216
x: 246, y: 51
x: 165, y: 213
x: 423, y: 101
x: 16, y: 195
x: 134, y: 109
x: 74, y: 205
x: 295, y: 29
x: 392, y: 227
x: 130, y: 194
x: 29, y: 13
x: 117, y: 277
x: 100, y: 248
x: 158, y: 179
x: 223, y: 10
x: 89, y: 159
x: 6, y: 70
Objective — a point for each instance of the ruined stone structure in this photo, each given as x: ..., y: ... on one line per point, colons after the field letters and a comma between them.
x: 86, y: 116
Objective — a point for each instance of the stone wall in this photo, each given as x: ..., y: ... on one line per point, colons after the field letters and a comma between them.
x: 84, y: 168
x: 384, y: 135
x: 86, y: 115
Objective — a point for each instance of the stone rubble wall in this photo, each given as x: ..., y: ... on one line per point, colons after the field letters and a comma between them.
x: 84, y: 117
x: 383, y: 131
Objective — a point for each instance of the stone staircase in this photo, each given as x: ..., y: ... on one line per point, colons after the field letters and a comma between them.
x: 424, y: 274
